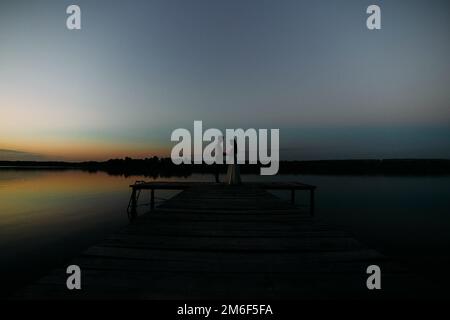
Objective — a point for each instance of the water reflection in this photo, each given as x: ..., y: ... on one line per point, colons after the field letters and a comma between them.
x: 46, y: 217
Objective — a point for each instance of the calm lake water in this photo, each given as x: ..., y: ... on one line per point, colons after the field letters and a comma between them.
x: 48, y: 216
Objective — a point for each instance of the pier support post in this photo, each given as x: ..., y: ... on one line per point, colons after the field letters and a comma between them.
x: 293, y: 196
x: 311, y: 202
x: 133, y: 208
x: 152, y: 200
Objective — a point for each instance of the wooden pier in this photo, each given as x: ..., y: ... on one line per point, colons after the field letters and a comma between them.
x: 138, y: 187
x: 215, y: 241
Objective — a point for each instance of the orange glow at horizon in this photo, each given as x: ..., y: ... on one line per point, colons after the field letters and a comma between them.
x: 85, y: 151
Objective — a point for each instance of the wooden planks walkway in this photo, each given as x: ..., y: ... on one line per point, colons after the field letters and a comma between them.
x: 216, y: 241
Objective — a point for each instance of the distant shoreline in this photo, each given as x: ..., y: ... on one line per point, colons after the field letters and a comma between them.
x: 164, y: 167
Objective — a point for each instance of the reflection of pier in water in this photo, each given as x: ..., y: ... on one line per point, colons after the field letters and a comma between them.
x: 221, y: 241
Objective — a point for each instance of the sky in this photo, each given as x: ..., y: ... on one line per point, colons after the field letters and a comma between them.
x: 137, y: 70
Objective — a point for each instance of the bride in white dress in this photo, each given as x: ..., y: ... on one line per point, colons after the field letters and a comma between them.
x: 233, y: 174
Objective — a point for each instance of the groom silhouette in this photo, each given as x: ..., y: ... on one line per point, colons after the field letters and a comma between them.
x: 219, y: 154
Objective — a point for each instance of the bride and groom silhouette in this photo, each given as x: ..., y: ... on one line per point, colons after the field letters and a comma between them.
x: 233, y: 174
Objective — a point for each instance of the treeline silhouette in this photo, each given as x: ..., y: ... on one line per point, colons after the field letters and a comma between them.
x: 163, y: 167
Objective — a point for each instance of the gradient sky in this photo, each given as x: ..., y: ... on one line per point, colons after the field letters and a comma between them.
x: 139, y: 69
